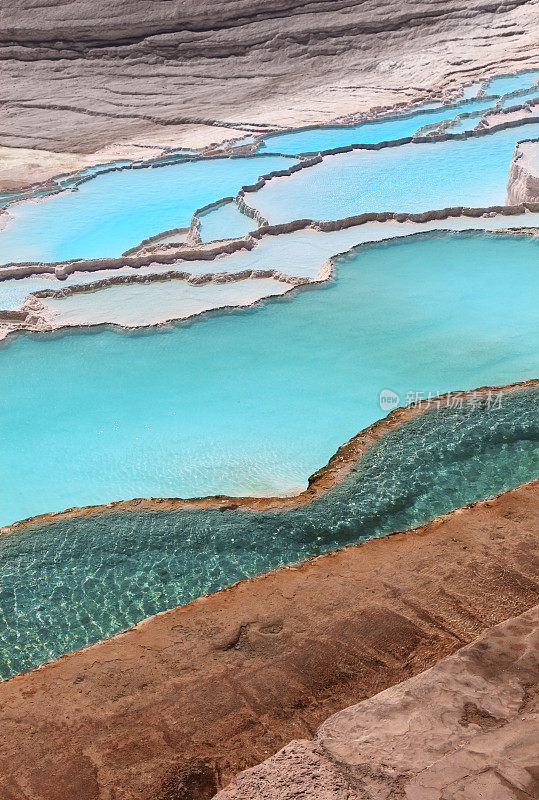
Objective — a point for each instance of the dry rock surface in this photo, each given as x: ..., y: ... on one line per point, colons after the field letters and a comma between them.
x: 174, y: 708
x: 122, y: 79
x: 523, y: 183
x: 466, y: 729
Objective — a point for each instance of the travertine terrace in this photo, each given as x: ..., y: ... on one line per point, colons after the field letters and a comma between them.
x: 96, y: 81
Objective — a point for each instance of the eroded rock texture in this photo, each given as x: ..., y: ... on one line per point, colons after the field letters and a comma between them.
x: 466, y: 729
x: 81, y: 75
x: 174, y: 708
x: 523, y: 183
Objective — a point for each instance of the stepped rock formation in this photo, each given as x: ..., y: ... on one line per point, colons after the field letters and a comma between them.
x: 127, y: 77
x: 175, y: 707
x: 523, y: 183
x: 466, y: 729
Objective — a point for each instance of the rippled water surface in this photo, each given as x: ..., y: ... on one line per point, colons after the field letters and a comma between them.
x: 252, y: 402
x: 66, y: 584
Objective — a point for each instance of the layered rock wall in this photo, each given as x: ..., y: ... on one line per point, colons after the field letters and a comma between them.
x: 523, y: 183
x: 80, y: 76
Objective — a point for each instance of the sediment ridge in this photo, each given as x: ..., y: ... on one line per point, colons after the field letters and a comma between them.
x: 34, y: 316
x: 209, y: 252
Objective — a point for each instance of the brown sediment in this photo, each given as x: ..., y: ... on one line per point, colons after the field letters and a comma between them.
x: 176, y: 706
x: 320, y: 482
x: 465, y: 728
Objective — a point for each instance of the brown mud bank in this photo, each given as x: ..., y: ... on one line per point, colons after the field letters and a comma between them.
x: 178, y: 705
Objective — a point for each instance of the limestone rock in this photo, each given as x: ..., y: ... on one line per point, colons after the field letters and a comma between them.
x: 463, y: 730
x: 523, y: 183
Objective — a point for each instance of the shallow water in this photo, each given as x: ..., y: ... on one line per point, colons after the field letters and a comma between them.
x: 511, y: 83
x: 114, y: 211
x: 252, y: 402
x: 385, y: 130
x: 412, y: 178
x: 138, y: 304
x: 67, y: 584
x: 300, y: 253
x: 514, y: 100
x: 224, y: 222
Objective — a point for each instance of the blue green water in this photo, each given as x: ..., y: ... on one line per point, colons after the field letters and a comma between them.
x: 224, y: 222
x: 116, y: 210
x: 504, y: 84
x: 384, y: 130
x: 254, y: 401
x: 67, y: 584
x: 413, y: 178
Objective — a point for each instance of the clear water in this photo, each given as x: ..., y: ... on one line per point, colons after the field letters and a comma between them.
x: 224, y: 222
x: 512, y: 83
x: 413, y: 178
x: 300, y: 253
x: 67, y: 584
x: 465, y: 124
x: 252, y: 402
x: 316, y: 139
x: 114, y: 211
x: 472, y: 90
x: 515, y: 100
x: 139, y: 304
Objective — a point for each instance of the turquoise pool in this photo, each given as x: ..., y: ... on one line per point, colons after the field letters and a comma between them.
x: 224, y: 222
x: 114, y: 211
x: 312, y: 140
x: 326, y: 137
x: 253, y: 402
x: 413, y: 178
x: 67, y: 584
